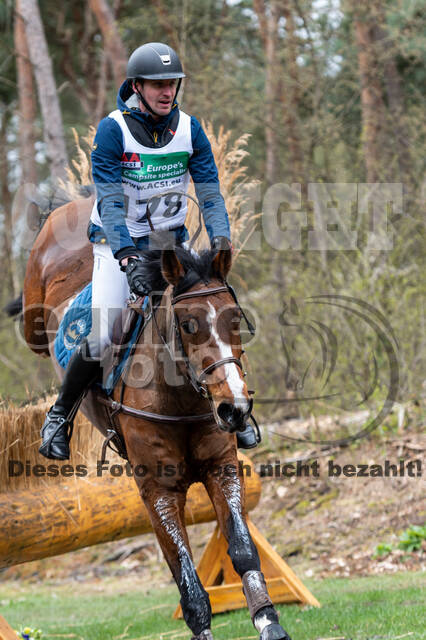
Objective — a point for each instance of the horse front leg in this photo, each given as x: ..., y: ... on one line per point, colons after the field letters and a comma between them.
x: 166, y: 510
x: 227, y: 494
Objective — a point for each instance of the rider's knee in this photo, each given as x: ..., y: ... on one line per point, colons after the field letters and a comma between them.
x: 97, y: 346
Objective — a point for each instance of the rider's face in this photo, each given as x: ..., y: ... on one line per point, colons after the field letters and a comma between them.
x: 159, y: 94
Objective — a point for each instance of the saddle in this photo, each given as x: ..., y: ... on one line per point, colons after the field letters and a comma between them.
x: 122, y: 332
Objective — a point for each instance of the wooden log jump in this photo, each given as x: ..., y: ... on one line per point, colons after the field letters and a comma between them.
x: 60, y: 518
x: 86, y: 511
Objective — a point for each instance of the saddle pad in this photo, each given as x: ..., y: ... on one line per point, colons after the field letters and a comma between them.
x: 77, y: 324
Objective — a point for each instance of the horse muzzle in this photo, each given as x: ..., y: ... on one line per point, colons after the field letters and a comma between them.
x: 233, y: 417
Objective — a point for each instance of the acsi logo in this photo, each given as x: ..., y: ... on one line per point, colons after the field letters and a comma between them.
x: 131, y: 161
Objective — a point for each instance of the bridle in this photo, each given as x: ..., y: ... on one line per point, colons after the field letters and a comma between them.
x: 196, y: 380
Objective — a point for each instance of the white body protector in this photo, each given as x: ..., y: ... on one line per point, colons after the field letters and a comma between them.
x: 149, y: 172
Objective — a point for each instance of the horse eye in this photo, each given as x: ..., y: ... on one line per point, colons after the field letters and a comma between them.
x: 190, y: 326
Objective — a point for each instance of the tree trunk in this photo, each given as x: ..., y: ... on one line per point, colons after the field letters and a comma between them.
x: 8, y: 261
x: 99, y: 111
x: 291, y: 97
x: 113, y: 43
x: 394, y: 91
x: 268, y: 21
x: 373, y: 110
x: 46, y: 87
x: 162, y: 13
x: 395, y: 94
x: 27, y: 104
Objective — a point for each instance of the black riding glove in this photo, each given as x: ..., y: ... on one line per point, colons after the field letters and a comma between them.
x: 136, y: 275
x: 221, y: 242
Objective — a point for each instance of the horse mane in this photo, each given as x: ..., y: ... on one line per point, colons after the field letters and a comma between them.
x: 197, y: 266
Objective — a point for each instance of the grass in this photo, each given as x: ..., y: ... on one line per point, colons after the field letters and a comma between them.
x: 373, y: 608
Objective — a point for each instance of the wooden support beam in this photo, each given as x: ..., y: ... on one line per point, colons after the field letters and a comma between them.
x: 6, y: 631
x: 224, y: 585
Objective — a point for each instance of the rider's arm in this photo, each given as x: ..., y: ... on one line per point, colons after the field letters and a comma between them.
x: 203, y: 170
x: 106, y: 169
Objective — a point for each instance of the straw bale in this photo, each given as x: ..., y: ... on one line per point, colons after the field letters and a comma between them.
x: 20, y: 440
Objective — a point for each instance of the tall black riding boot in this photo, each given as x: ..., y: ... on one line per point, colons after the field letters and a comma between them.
x: 57, y: 428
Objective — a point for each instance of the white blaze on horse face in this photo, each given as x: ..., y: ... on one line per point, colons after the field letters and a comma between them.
x: 232, y: 371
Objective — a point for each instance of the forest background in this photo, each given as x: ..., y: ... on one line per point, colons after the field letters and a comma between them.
x: 324, y: 94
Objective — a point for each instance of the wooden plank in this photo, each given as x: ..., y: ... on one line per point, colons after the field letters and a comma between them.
x: 282, y: 583
x: 6, y: 631
x: 210, y: 564
x: 227, y: 597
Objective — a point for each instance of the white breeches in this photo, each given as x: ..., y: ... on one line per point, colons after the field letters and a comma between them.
x: 110, y: 292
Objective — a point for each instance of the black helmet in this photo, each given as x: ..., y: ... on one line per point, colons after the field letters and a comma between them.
x: 154, y: 61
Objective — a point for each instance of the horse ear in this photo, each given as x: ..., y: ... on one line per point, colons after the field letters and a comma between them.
x: 171, y: 268
x: 222, y: 262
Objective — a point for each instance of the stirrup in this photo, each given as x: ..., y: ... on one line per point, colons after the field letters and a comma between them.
x: 64, y: 428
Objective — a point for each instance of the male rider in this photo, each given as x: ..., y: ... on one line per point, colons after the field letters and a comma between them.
x: 145, y: 147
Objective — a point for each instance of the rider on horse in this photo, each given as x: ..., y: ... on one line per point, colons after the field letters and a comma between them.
x: 146, y: 146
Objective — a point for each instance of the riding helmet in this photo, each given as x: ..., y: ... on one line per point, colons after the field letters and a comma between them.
x: 154, y: 61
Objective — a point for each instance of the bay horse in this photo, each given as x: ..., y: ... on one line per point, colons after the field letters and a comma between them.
x: 193, y: 411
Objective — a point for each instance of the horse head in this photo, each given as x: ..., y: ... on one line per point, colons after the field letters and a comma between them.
x: 207, y: 330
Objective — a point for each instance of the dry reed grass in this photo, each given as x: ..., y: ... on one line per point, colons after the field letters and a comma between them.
x: 20, y: 440
x: 229, y: 159
x: 82, y: 174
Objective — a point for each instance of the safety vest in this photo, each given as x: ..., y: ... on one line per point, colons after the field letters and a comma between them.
x: 157, y: 176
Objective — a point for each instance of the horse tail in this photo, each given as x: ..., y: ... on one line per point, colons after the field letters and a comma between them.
x: 14, y: 307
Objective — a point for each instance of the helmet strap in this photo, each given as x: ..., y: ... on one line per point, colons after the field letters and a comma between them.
x: 147, y: 106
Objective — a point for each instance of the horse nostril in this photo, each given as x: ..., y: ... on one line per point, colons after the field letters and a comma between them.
x: 231, y: 415
x: 224, y: 411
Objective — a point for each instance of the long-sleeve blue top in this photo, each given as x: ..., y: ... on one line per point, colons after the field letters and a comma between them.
x: 107, y: 152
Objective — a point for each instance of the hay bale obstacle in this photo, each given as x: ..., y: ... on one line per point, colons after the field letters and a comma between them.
x: 43, y: 515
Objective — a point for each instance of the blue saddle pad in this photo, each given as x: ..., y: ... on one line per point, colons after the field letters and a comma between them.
x: 77, y: 324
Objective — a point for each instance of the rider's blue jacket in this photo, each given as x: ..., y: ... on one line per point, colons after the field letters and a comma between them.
x: 106, y: 169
